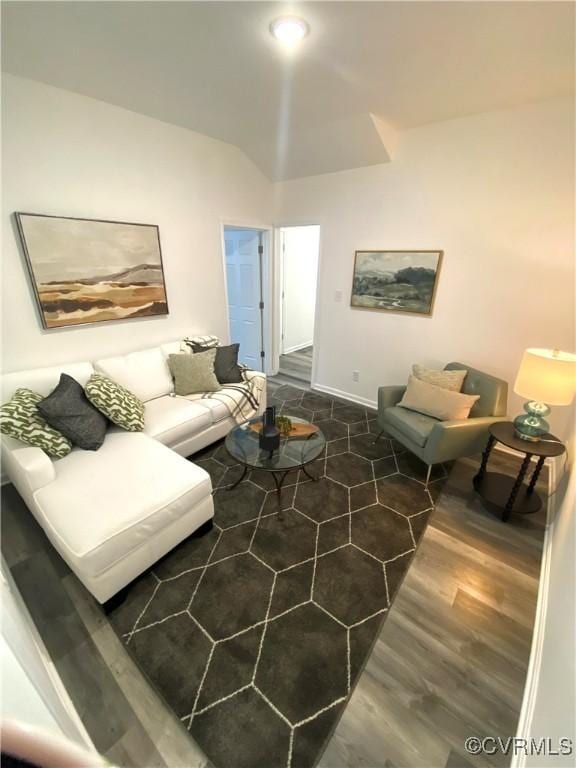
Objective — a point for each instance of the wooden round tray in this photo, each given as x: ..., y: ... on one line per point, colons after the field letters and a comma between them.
x: 298, y: 430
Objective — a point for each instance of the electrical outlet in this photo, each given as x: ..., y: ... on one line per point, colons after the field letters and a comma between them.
x: 338, y: 295
x: 355, y: 375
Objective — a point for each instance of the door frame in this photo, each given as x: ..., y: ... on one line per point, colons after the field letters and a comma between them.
x: 278, y: 287
x: 266, y: 282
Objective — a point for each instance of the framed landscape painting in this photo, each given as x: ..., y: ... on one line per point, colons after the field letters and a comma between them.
x: 396, y: 281
x: 88, y: 270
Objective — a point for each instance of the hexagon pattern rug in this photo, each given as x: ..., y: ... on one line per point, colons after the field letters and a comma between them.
x: 256, y: 632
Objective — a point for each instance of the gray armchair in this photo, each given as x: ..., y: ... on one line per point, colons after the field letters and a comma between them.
x: 436, y: 441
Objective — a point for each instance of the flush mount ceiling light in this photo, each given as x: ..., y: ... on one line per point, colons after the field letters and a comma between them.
x: 289, y: 30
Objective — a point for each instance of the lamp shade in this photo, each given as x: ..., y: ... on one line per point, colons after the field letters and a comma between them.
x: 547, y: 375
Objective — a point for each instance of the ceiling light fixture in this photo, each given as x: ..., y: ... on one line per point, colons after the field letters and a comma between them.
x: 289, y: 30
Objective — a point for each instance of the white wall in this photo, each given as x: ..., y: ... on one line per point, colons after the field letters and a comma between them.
x: 69, y: 155
x: 495, y: 192
x: 300, y: 260
x: 32, y: 692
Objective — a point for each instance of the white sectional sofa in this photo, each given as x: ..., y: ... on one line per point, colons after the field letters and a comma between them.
x: 112, y: 513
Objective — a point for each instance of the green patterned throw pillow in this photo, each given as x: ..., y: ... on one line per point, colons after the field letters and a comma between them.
x: 116, y: 402
x: 21, y: 419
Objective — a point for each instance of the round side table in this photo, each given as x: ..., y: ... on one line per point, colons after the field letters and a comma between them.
x: 507, y: 493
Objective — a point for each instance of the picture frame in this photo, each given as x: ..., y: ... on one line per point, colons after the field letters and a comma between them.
x: 396, y: 280
x: 86, y: 271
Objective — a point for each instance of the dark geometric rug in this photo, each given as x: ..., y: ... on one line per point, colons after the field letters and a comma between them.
x: 255, y: 633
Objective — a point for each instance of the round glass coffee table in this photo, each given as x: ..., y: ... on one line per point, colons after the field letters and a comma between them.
x: 294, y: 453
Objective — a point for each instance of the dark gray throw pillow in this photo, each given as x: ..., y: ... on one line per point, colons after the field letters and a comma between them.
x: 68, y: 410
x: 226, y: 365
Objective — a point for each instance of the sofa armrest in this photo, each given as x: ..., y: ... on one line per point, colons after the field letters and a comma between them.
x: 249, y: 375
x: 29, y: 468
x: 450, y: 440
x: 389, y: 396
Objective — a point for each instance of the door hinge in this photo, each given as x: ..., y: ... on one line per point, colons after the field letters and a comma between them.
x: 261, y: 305
x: 262, y: 354
x: 260, y: 249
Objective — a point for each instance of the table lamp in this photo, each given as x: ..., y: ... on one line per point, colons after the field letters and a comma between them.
x: 546, y: 377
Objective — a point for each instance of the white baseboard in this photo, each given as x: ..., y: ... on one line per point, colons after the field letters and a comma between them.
x: 344, y: 395
x: 297, y: 348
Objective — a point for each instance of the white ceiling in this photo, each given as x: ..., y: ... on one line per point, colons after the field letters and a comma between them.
x: 366, y: 71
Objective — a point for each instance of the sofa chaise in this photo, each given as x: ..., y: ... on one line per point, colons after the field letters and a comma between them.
x: 114, y: 512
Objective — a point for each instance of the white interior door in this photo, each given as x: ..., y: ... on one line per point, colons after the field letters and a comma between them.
x: 244, y: 280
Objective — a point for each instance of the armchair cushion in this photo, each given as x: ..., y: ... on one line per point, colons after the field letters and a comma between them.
x: 435, y: 401
x: 447, y: 379
x: 415, y: 426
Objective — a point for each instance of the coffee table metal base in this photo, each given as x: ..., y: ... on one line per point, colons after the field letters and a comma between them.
x: 279, y: 477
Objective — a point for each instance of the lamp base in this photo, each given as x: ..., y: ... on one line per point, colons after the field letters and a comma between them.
x: 531, y: 425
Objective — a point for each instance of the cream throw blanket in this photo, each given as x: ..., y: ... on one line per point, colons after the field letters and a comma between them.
x: 242, y: 400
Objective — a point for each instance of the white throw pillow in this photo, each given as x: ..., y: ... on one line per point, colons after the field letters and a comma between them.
x: 451, y: 380
x: 436, y: 401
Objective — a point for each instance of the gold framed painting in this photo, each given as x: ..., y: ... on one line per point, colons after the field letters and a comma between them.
x: 396, y: 281
x: 92, y: 270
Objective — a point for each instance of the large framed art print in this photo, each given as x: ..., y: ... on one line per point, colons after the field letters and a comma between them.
x: 396, y: 281
x: 91, y: 270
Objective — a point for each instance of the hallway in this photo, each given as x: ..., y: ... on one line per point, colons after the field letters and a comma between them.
x: 297, y: 365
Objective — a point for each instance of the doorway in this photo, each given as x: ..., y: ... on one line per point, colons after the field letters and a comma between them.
x: 244, y: 252
x: 300, y: 247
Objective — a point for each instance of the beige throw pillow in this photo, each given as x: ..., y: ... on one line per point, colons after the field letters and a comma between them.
x: 451, y: 380
x: 436, y: 401
x: 194, y: 373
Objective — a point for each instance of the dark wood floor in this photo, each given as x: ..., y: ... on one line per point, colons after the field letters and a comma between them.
x: 297, y: 365
x: 452, y: 656
x: 450, y: 662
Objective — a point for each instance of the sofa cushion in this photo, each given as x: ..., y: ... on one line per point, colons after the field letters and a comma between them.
x: 103, y: 505
x: 415, y: 426
x: 144, y: 373
x: 215, y: 408
x: 174, y: 348
x: 21, y: 419
x: 117, y: 403
x: 171, y: 419
x: 43, y: 380
x: 68, y: 410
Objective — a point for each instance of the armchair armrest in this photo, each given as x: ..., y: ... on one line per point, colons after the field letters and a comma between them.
x: 29, y: 468
x: 389, y: 396
x: 450, y: 440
